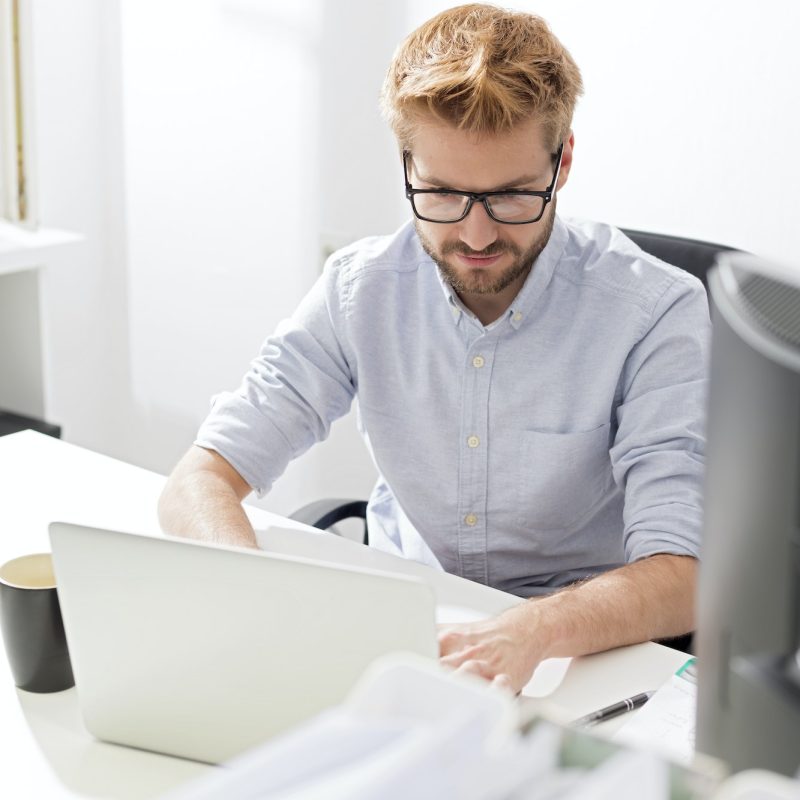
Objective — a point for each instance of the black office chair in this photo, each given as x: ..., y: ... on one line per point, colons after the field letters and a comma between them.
x: 692, y: 255
x: 324, y: 514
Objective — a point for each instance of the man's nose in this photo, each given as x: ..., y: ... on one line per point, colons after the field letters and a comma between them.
x: 478, y: 230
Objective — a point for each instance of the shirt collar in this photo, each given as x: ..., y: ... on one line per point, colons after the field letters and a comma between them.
x: 540, y: 276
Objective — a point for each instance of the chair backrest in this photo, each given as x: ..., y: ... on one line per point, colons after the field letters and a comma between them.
x: 694, y: 256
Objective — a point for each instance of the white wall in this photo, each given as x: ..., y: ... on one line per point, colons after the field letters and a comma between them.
x: 76, y: 112
x: 251, y: 140
x: 165, y: 127
x: 163, y: 124
x: 210, y: 138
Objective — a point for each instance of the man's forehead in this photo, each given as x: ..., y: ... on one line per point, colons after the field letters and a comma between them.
x: 449, y: 156
x: 428, y: 130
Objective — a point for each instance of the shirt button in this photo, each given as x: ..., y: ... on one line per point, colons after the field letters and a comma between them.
x: 517, y: 317
x: 478, y: 362
x: 471, y: 520
x: 473, y: 441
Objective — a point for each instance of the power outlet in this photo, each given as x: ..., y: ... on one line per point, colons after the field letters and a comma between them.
x: 330, y: 243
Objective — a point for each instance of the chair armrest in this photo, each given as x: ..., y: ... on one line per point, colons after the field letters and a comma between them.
x: 684, y: 643
x: 325, y: 513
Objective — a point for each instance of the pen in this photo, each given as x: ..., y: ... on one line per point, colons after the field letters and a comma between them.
x: 614, y: 710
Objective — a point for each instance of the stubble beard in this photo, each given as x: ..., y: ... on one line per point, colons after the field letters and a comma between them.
x: 477, y: 280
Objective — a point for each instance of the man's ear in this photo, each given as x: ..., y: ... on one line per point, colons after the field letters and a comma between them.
x: 566, y: 160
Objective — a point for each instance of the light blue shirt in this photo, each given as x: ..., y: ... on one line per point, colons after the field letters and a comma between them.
x: 562, y: 440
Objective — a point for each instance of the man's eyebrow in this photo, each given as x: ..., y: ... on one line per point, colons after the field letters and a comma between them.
x: 525, y: 179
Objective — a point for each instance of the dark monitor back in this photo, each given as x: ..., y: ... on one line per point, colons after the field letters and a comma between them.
x: 749, y: 599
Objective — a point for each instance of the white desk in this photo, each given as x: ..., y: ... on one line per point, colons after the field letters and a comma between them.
x: 46, y: 750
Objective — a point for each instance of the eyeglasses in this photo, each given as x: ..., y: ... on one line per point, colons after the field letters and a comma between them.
x: 510, y: 206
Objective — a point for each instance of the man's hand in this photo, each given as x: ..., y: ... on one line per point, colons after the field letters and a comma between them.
x: 505, y: 649
x: 650, y: 599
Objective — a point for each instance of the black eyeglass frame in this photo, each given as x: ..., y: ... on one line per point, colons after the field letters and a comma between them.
x: 483, y: 197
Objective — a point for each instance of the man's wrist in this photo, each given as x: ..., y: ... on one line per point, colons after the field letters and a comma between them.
x: 537, y: 627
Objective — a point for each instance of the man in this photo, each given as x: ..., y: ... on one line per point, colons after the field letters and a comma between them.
x: 531, y: 390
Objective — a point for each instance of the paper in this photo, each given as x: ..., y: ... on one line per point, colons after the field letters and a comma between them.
x: 547, y: 678
x: 457, y: 615
x: 666, y: 723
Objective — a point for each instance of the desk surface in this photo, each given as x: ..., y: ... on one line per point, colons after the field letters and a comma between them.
x: 49, y: 753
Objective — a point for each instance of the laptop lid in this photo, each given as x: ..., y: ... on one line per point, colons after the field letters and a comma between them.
x: 203, y: 651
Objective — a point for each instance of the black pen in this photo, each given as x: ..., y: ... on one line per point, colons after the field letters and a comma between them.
x: 614, y: 710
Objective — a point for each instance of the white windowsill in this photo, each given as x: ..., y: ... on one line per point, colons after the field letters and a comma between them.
x: 22, y: 249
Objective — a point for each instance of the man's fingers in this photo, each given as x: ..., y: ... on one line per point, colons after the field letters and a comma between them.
x: 456, y: 637
x: 460, y: 663
x: 452, y: 640
x: 452, y: 660
x: 459, y: 656
x: 503, y: 681
x: 473, y: 666
x: 449, y: 641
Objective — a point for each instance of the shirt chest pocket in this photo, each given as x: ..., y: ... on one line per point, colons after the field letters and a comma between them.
x: 562, y: 477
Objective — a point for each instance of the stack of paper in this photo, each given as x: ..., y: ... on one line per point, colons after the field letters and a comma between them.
x: 666, y: 723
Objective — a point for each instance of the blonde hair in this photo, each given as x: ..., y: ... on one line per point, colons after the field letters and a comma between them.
x: 482, y: 69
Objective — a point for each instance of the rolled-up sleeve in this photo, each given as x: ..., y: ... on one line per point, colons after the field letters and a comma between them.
x: 658, y: 453
x: 301, y: 381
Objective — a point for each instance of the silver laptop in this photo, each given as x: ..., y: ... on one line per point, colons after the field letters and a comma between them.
x: 203, y: 651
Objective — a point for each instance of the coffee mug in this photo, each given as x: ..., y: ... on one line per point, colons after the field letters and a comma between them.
x: 33, y: 630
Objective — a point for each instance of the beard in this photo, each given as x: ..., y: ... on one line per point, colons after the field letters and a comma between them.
x: 477, y: 280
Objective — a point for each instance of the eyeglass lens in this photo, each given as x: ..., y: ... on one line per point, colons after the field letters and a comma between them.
x: 505, y: 207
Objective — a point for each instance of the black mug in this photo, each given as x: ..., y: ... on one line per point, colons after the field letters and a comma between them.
x: 33, y: 630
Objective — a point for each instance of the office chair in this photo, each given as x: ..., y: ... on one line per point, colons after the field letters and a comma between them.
x: 692, y: 255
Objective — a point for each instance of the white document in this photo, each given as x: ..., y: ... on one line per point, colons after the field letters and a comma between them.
x: 666, y: 723
x: 457, y: 615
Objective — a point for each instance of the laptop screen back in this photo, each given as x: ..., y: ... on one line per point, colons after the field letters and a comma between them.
x: 203, y: 651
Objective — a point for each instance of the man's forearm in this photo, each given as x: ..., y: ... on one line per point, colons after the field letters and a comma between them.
x: 203, y: 500
x: 649, y: 599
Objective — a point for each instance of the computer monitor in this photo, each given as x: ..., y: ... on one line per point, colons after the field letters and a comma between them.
x: 748, y: 630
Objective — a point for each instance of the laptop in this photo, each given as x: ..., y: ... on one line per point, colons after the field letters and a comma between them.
x: 203, y: 651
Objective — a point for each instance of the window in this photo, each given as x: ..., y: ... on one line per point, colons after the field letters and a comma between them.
x: 16, y: 186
